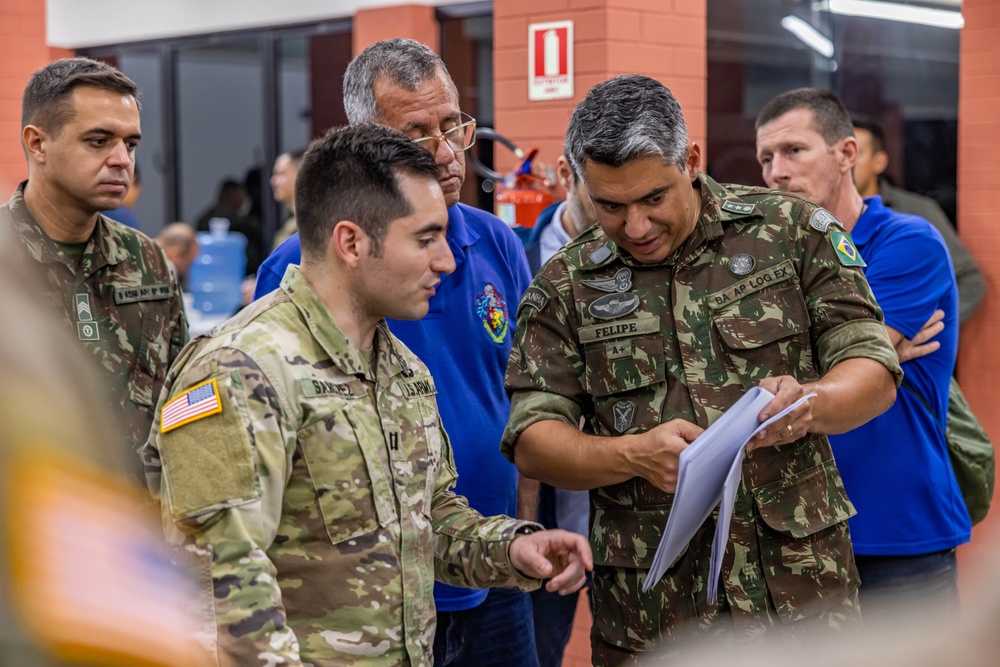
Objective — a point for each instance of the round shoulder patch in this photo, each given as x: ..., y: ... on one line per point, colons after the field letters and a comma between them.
x: 821, y: 219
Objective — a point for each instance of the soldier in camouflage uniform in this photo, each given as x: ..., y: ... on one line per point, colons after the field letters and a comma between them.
x: 302, y: 459
x: 652, y: 324
x: 79, y: 560
x: 111, y: 285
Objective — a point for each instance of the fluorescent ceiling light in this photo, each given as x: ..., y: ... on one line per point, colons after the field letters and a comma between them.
x: 894, y: 11
x: 808, y: 35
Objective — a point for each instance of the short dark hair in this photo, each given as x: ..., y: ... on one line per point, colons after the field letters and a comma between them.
x: 46, y: 100
x: 830, y: 116
x: 352, y: 174
x: 874, y: 129
x: 625, y: 118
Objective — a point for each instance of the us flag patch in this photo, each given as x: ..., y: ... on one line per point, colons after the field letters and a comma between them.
x: 197, y: 402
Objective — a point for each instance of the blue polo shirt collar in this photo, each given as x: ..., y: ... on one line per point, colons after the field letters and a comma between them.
x: 460, y: 236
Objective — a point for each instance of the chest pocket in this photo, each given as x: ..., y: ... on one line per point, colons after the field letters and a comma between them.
x: 348, y: 466
x: 765, y: 330
x: 418, y: 460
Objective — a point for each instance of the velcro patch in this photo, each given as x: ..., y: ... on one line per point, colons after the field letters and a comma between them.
x: 312, y: 387
x: 419, y: 387
x: 846, y: 252
x: 143, y: 293
x: 198, y: 402
x: 534, y: 297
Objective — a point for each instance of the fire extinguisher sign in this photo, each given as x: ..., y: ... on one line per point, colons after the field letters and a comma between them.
x: 550, y: 61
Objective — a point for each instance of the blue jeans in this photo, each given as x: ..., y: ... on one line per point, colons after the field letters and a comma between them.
x: 927, y: 583
x: 497, y: 633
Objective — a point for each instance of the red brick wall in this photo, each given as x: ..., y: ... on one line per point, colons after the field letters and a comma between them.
x: 664, y: 39
x: 978, y: 225
x: 412, y: 21
x: 22, y: 51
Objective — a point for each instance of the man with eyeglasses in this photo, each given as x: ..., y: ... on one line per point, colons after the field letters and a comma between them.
x: 465, y: 339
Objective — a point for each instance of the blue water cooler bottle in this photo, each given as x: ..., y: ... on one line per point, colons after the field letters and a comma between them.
x: 218, y: 271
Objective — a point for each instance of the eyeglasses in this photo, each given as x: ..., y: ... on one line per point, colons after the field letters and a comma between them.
x: 460, y: 138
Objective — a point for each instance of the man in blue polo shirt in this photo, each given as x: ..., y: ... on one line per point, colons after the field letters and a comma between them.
x: 911, y: 514
x: 465, y: 339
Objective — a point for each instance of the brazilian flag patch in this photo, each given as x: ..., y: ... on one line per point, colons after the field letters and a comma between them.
x: 846, y: 252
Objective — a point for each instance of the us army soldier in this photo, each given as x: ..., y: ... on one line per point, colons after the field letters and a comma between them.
x: 653, y: 323
x: 111, y: 285
x: 303, y: 460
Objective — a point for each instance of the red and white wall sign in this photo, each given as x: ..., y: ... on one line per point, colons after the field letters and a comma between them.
x: 550, y: 61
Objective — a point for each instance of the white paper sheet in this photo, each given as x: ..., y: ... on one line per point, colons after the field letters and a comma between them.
x: 709, y: 472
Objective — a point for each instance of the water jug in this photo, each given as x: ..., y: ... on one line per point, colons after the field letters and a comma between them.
x: 217, y: 273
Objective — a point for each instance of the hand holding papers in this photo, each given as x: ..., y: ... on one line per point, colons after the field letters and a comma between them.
x: 709, y: 472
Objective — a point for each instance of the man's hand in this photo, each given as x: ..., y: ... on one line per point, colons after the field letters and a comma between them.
x: 908, y: 350
x: 655, y: 454
x: 792, y: 426
x: 560, y: 554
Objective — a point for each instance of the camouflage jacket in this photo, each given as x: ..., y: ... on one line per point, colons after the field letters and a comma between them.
x: 122, y: 302
x: 758, y: 289
x: 316, y: 492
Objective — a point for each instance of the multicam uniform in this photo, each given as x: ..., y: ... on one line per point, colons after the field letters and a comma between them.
x: 315, y: 490
x: 759, y: 289
x: 121, y: 301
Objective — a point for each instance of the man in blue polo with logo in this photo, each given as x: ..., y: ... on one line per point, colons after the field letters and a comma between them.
x: 465, y: 339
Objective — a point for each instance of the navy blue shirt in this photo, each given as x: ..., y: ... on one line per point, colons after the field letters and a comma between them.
x: 896, y: 468
x: 465, y: 341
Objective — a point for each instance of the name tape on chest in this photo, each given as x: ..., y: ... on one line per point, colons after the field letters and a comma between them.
x: 772, y: 275
x: 143, y: 293
x: 313, y: 387
x: 633, y: 327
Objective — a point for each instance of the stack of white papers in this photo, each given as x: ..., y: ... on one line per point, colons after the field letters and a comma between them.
x: 709, y: 473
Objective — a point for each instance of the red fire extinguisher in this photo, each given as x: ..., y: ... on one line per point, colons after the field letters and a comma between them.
x: 524, y: 194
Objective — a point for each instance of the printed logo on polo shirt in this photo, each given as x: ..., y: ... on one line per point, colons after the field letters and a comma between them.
x: 492, y: 310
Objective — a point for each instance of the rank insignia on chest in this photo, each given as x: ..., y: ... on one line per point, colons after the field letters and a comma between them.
x: 742, y: 265
x: 611, y: 306
x: 846, y: 252
x: 737, y: 207
x: 196, y: 403
x: 86, y: 327
x: 624, y: 415
x: 620, y: 282
x: 492, y: 310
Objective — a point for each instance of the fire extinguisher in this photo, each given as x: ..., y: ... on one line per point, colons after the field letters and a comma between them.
x: 523, y: 195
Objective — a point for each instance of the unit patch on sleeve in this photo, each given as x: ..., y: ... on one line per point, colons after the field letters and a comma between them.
x: 821, y: 219
x: 846, y: 252
x: 534, y: 297
x: 198, y: 402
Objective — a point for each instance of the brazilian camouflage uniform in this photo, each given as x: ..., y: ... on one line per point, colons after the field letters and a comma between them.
x: 122, y: 302
x: 73, y: 542
x: 702, y: 334
x: 319, y: 499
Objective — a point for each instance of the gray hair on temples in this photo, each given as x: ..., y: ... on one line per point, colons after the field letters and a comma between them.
x: 625, y: 118
x: 404, y: 62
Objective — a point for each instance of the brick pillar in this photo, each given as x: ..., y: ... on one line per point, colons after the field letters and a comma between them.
x: 412, y: 21
x: 978, y: 175
x: 22, y: 51
x: 664, y: 39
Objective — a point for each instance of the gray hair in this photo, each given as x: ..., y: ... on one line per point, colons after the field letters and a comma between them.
x: 626, y: 118
x: 405, y: 62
